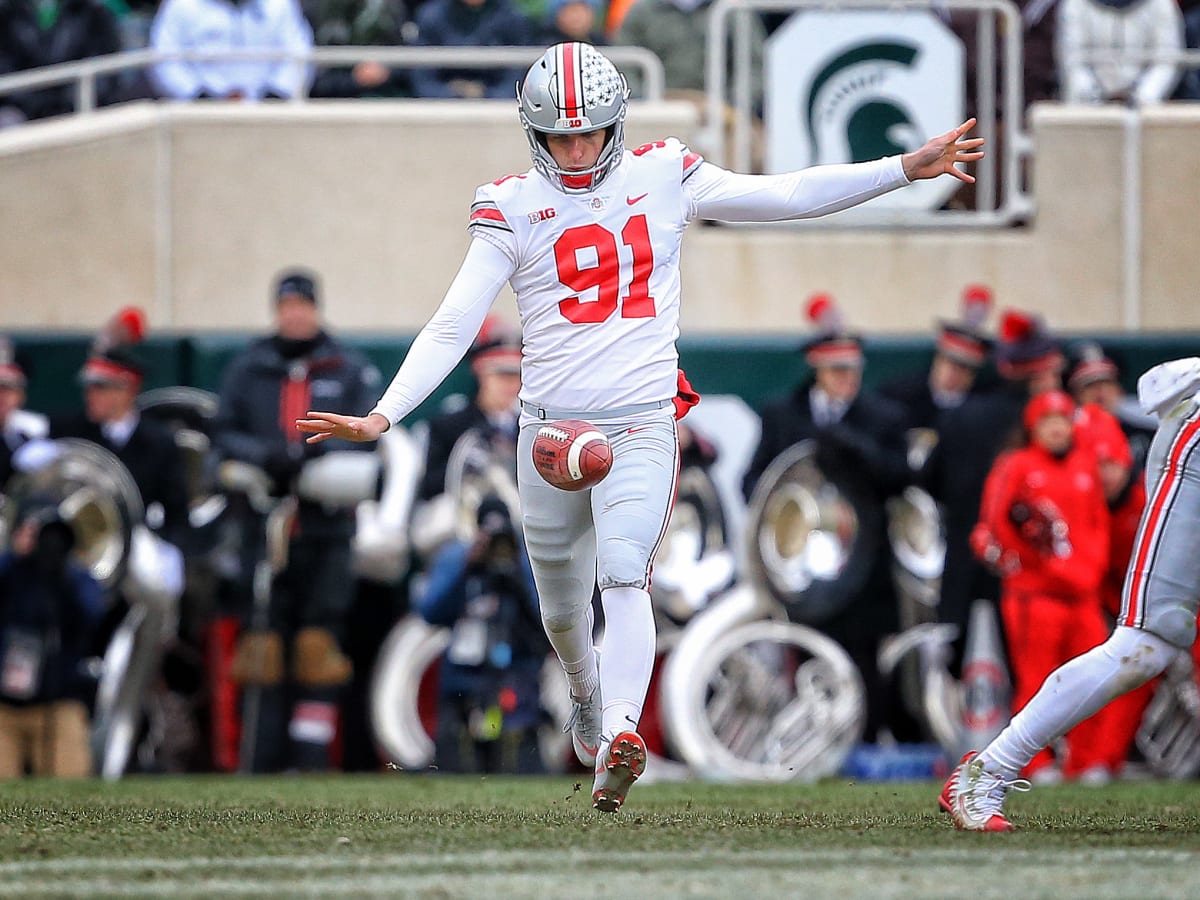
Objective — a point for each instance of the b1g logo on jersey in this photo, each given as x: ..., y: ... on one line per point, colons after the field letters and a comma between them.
x: 542, y: 215
x: 856, y: 86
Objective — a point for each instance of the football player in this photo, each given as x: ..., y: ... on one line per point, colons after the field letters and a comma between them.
x: 589, y: 240
x: 1159, y: 603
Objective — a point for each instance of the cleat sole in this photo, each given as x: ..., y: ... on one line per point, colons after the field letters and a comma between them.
x: 624, y: 764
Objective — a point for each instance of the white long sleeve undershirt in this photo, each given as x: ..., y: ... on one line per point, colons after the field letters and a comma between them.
x: 805, y: 194
x: 716, y: 193
x: 447, y: 336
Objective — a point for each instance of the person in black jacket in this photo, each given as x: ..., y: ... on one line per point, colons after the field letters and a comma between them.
x: 469, y: 23
x: 859, y: 439
x: 73, y: 30
x: 112, y: 378
x: 953, y: 375
x: 573, y: 20
x: 273, y: 381
x: 495, y: 360
x: 50, y: 612
x: 1029, y: 361
x: 20, y: 49
x: 489, y: 701
x: 17, y: 425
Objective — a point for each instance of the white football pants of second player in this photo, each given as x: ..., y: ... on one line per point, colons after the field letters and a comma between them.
x: 607, y: 536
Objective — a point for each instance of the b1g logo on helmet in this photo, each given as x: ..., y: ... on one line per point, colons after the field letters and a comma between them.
x: 855, y: 86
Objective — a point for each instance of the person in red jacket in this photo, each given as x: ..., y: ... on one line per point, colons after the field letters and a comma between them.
x: 1044, y: 526
x: 1125, y: 494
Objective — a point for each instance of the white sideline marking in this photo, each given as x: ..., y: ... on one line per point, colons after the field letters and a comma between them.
x: 525, y: 859
x: 964, y: 870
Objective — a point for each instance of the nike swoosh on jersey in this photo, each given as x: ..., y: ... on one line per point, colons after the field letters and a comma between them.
x: 633, y: 200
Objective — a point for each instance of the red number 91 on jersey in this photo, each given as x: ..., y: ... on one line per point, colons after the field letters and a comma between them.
x: 571, y: 454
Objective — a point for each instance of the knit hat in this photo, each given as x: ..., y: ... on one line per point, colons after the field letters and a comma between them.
x: 497, y: 348
x: 1048, y: 403
x: 1025, y: 347
x: 964, y: 341
x: 833, y: 344
x: 300, y: 282
x: 1091, y: 366
x: 113, y: 359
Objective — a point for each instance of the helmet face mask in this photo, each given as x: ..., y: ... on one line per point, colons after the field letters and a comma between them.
x: 573, y: 89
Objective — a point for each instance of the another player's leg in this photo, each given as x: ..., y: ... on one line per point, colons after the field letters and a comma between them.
x: 1158, y: 617
x: 974, y: 794
x: 631, y: 508
x: 561, y: 545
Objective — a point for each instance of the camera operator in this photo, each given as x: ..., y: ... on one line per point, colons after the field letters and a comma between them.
x: 489, y: 704
x: 50, y: 610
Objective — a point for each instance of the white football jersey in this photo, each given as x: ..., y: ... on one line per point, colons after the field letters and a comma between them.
x: 597, y: 277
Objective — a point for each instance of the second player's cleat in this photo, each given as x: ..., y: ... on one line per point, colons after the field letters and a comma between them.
x: 584, y: 726
x: 622, y: 764
x: 974, y: 797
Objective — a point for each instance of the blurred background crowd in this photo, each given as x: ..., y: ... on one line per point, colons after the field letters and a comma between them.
x: 1061, y: 39
x: 186, y: 585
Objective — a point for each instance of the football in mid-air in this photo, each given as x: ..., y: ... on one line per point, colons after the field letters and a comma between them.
x: 571, y: 454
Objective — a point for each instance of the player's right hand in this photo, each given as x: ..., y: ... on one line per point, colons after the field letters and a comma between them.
x: 321, y: 426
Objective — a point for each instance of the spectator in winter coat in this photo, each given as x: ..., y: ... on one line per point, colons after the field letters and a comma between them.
x: 20, y: 48
x: 50, y: 611
x: 1044, y: 527
x: 469, y: 23
x: 264, y: 389
x: 72, y: 30
x: 677, y: 30
x: 972, y: 435
x: 338, y: 23
x: 573, y: 20
x: 184, y: 25
x: 489, y: 701
x: 1093, y: 377
x: 1102, y: 47
x: 17, y: 425
x: 959, y: 353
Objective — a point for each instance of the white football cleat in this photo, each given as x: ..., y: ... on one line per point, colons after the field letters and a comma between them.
x: 584, y: 726
x: 974, y: 798
x: 623, y: 763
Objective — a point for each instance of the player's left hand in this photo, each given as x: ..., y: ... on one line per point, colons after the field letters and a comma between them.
x: 321, y: 426
x: 939, y: 155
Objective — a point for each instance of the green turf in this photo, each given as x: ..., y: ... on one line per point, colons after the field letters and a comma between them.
x: 409, y: 835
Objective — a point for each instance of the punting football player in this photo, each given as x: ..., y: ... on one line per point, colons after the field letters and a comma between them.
x: 589, y: 240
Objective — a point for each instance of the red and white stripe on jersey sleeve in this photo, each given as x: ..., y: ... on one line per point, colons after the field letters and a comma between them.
x: 569, y: 80
x: 691, y: 162
x: 488, y: 215
x: 1150, y: 532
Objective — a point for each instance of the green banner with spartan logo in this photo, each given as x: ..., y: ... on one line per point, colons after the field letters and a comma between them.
x: 854, y: 86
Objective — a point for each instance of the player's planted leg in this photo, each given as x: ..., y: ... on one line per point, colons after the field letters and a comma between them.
x: 621, y: 762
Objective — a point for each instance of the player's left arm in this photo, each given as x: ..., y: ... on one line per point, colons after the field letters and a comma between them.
x: 819, y: 190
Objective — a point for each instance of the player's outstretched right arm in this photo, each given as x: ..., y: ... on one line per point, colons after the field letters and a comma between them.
x: 436, y: 350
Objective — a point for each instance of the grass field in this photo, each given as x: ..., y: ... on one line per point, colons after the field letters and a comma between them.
x: 427, y: 836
